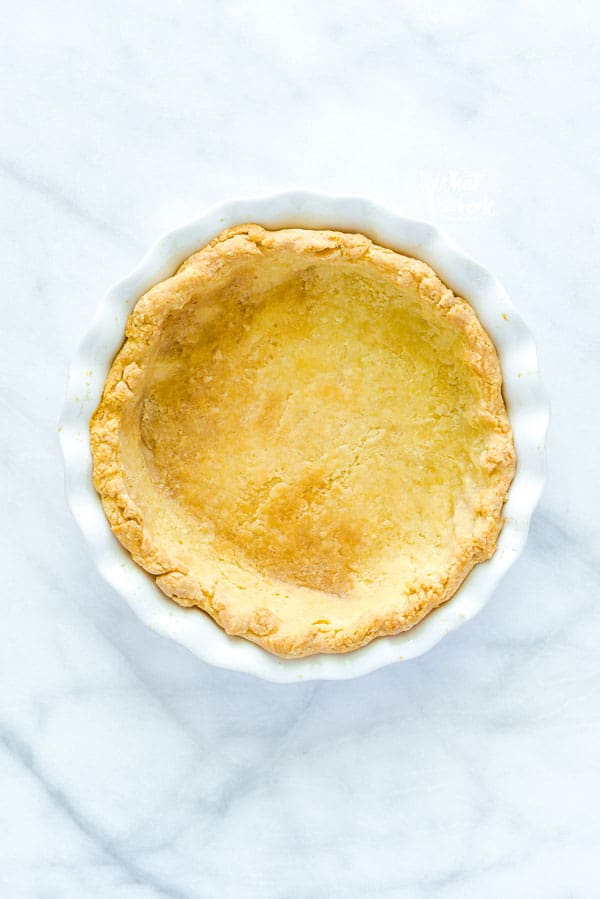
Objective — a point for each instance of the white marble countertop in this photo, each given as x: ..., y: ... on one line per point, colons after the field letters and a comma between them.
x: 129, y: 769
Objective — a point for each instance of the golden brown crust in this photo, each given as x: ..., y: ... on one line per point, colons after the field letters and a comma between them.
x: 270, y: 598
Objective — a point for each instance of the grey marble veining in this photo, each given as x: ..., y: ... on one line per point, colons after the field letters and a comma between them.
x: 128, y: 769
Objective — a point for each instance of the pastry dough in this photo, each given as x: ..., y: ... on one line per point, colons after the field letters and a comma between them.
x: 304, y: 435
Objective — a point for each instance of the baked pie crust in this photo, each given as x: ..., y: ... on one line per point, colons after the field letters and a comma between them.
x: 304, y: 435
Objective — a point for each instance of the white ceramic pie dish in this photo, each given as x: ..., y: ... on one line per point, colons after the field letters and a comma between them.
x: 523, y: 391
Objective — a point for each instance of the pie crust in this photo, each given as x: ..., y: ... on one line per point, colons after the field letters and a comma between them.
x: 304, y: 436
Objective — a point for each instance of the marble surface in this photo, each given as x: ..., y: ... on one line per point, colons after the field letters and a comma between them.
x: 129, y: 769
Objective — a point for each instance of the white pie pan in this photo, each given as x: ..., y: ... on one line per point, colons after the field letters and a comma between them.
x: 523, y: 390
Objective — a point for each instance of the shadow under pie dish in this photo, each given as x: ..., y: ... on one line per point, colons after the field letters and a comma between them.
x: 304, y: 435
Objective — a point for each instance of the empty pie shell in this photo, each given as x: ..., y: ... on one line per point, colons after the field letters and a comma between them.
x: 304, y: 436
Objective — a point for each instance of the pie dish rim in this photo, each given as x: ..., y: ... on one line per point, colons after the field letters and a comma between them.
x: 524, y: 393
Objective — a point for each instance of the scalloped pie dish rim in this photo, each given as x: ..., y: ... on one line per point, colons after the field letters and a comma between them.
x: 347, y: 647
